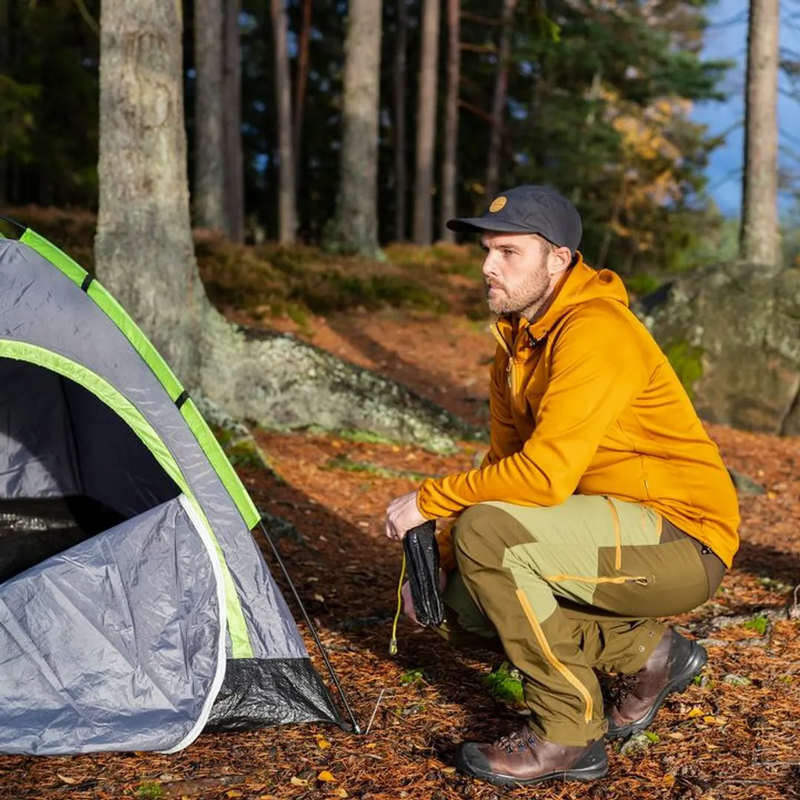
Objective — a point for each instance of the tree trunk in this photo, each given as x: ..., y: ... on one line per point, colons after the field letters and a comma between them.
x: 400, y: 168
x: 144, y: 254
x: 5, y: 68
x: 499, y: 101
x: 287, y: 205
x: 759, y: 233
x: 450, y: 159
x: 209, y: 182
x: 232, y: 93
x: 356, y: 225
x: 426, y: 124
x: 302, y: 78
x: 143, y: 245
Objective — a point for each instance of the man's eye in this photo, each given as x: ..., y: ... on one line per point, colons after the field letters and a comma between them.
x: 507, y: 252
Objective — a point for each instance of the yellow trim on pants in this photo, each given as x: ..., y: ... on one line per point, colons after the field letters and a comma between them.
x: 550, y: 656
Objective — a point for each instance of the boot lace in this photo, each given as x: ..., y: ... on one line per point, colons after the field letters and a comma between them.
x: 617, y: 689
x: 517, y: 741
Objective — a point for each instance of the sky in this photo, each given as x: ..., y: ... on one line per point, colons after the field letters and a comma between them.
x: 726, y: 38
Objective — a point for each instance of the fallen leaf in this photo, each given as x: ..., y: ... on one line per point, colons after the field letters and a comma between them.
x: 67, y: 779
x: 669, y: 780
x: 340, y: 792
x: 298, y: 781
x: 371, y: 744
x: 326, y: 777
x: 318, y: 597
x: 709, y: 720
x: 234, y: 793
x: 322, y: 742
x: 695, y: 712
x: 448, y: 770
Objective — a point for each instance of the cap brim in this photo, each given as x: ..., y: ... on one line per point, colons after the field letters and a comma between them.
x: 478, y: 224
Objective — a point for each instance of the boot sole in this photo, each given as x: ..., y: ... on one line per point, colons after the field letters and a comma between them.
x: 587, y: 774
x: 694, y: 666
x: 590, y: 772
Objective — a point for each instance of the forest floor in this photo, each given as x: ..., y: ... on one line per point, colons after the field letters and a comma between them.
x: 732, y: 735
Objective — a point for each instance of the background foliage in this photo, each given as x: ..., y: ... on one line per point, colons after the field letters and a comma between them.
x: 599, y: 97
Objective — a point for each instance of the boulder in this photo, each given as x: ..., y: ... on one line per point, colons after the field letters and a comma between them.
x: 732, y: 333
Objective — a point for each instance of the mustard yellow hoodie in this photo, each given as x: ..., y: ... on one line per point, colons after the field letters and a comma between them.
x: 584, y: 401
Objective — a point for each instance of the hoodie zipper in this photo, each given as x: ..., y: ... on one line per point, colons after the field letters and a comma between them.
x: 510, y: 369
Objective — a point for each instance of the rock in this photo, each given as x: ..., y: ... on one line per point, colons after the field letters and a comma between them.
x: 745, y: 485
x: 732, y: 333
x: 638, y: 743
x: 283, y: 383
x: 737, y: 680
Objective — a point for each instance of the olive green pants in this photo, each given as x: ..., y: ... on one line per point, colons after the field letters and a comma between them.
x: 569, y: 588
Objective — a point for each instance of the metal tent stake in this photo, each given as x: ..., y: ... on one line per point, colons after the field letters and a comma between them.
x: 331, y: 671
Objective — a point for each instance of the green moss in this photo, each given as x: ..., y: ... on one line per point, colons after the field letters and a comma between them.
x: 641, y: 284
x: 687, y: 361
x: 365, y: 437
x: 505, y: 683
x: 345, y: 464
x: 412, y: 676
x: 150, y: 791
x: 757, y: 624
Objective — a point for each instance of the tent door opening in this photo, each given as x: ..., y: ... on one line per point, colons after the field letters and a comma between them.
x: 70, y: 467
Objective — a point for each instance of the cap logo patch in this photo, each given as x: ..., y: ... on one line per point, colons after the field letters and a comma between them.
x: 497, y: 204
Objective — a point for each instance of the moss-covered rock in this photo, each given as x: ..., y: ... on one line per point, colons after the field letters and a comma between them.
x: 732, y: 333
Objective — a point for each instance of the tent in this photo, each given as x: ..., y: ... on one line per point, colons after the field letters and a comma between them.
x: 136, y: 609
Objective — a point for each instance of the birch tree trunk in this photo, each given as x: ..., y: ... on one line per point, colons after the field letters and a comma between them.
x: 759, y: 233
x: 287, y: 204
x: 400, y: 167
x: 450, y: 157
x: 499, y: 101
x: 232, y: 93
x: 209, y: 181
x: 144, y: 254
x: 356, y: 225
x: 426, y: 124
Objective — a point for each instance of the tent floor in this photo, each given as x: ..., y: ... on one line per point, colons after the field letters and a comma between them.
x: 32, y: 530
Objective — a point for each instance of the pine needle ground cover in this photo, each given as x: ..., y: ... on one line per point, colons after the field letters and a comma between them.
x: 732, y: 735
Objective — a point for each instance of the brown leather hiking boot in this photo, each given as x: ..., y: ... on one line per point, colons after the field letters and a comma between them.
x: 521, y: 758
x: 670, y: 668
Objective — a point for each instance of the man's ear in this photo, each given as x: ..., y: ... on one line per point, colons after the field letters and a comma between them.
x: 560, y: 259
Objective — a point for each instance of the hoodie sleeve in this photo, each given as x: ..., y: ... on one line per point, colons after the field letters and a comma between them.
x: 597, y: 370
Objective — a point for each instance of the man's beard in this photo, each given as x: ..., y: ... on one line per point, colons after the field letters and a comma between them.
x: 524, y: 299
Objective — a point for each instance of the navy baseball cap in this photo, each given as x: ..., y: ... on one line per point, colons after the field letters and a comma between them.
x: 528, y: 209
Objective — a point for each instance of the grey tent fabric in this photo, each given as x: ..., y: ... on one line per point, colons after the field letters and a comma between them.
x: 113, y: 645
x: 41, y: 306
x: 121, y: 641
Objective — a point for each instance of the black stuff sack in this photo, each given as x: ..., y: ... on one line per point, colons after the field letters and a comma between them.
x: 422, y: 563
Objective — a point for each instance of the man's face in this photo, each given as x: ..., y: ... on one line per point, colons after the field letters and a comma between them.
x: 517, y: 271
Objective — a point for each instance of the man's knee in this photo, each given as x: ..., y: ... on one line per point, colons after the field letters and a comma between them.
x: 484, y: 532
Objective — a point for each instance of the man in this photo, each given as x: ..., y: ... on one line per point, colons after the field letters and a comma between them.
x: 601, y: 503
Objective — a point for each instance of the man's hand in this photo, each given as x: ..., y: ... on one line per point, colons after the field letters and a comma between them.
x: 402, y: 515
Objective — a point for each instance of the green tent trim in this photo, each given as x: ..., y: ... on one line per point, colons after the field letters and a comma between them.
x: 106, y: 393
x: 161, y: 369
